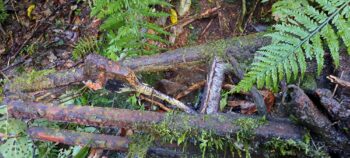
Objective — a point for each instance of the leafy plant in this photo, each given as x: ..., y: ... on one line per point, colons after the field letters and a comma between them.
x: 3, y: 14
x: 16, y: 142
x: 128, y: 31
x: 302, y: 35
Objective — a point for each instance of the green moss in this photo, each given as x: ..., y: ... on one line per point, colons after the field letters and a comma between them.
x: 140, y: 145
x: 209, y: 143
x: 246, y: 132
x: 290, y: 147
x: 309, y: 82
x: 34, y: 80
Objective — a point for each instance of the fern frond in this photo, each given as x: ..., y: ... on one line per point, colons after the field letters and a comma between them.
x: 84, y: 47
x: 303, y: 34
x: 126, y: 24
x: 3, y: 14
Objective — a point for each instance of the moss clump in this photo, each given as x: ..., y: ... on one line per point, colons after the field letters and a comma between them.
x: 246, y: 132
x: 309, y: 82
x: 34, y: 80
x: 140, y: 145
x: 210, y: 144
x: 291, y: 147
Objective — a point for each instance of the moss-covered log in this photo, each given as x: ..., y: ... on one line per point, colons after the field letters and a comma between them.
x: 221, y: 124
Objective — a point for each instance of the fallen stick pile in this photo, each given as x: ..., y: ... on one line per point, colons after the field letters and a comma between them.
x: 22, y: 105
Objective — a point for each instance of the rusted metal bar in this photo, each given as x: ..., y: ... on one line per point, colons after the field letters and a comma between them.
x: 221, y: 124
x: 298, y: 104
x: 211, y: 98
x: 69, y: 137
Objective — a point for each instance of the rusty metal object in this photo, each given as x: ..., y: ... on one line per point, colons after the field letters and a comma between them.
x: 79, y: 138
x: 221, y: 124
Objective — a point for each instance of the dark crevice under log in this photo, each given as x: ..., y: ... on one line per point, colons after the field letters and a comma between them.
x: 256, y: 96
x: 221, y: 124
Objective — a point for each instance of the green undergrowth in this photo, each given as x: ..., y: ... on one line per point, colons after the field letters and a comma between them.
x: 291, y: 147
x: 208, y: 143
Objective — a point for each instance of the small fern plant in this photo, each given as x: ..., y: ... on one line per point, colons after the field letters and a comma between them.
x: 85, y: 46
x: 304, y: 35
x: 3, y: 14
x: 126, y: 24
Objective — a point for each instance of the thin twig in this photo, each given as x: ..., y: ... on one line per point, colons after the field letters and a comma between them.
x: 162, y: 106
x: 190, y: 89
x: 338, y: 81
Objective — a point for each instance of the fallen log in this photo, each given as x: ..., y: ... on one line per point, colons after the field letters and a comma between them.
x: 220, y: 124
x: 298, y: 104
x: 244, y: 46
x: 100, y: 141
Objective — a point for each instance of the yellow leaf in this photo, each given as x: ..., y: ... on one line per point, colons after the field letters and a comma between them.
x: 30, y: 10
x: 173, y: 16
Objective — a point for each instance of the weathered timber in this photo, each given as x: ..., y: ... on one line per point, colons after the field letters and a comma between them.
x: 212, y: 91
x: 221, y: 124
x: 103, y: 141
x: 298, y: 104
x: 334, y: 109
x: 69, y: 137
x: 257, y: 97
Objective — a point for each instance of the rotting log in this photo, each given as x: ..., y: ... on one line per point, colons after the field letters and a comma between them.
x: 101, y: 141
x: 245, y: 46
x: 298, y: 104
x: 69, y: 137
x: 212, y: 91
x: 221, y: 124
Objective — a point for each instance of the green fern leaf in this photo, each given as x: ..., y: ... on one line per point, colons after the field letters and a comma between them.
x: 299, y: 37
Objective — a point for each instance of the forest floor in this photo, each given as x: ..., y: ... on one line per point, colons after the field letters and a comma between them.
x: 41, y: 35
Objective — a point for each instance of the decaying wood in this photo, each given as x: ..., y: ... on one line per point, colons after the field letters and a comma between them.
x: 257, y: 97
x: 334, y: 109
x: 212, y: 91
x: 96, y: 64
x: 339, y: 81
x: 298, y: 104
x: 79, y: 138
x: 221, y: 124
x: 190, y: 89
x: 244, y: 46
